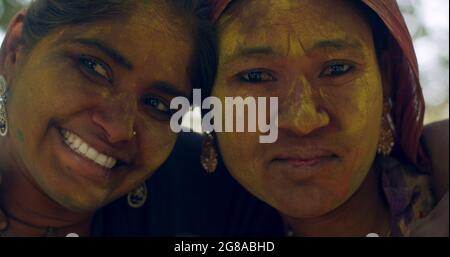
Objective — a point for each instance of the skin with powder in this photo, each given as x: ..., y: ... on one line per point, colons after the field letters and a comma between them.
x: 319, y: 58
x: 327, y: 79
x: 102, y: 83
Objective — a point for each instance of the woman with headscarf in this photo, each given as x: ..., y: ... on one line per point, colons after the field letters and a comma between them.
x: 348, y: 160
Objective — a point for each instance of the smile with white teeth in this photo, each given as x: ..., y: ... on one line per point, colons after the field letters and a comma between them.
x: 84, y: 149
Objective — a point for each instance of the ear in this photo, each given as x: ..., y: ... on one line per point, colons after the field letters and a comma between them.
x: 12, y: 45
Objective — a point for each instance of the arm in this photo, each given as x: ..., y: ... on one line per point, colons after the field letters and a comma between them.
x: 435, y: 140
x: 3, y: 220
x: 435, y: 224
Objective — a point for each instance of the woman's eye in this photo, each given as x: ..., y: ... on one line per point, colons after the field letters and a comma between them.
x: 94, y: 67
x: 256, y: 77
x: 153, y: 104
x: 335, y: 70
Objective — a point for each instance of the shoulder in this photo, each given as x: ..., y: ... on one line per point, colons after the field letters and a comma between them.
x: 435, y: 141
x: 435, y: 136
x: 439, y: 127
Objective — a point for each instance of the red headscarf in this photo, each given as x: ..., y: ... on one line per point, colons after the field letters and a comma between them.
x: 408, y: 102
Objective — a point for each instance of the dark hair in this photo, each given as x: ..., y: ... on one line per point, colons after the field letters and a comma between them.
x: 43, y: 16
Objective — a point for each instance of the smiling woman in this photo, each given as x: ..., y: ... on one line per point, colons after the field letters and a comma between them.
x: 86, y: 87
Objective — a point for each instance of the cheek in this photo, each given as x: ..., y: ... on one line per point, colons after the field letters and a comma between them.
x: 156, y: 142
x: 41, y: 99
x: 356, y: 108
x: 356, y: 111
x: 236, y: 147
x: 242, y: 153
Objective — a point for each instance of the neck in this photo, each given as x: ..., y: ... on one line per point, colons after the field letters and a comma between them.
x: 31, y: 212
x: 365, y: 212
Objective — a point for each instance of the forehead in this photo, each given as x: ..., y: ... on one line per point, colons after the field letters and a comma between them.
x: 292, y: 26
x: 152, y: 35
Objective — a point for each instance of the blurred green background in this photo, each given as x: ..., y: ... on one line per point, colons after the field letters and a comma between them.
x: 428, y: 22
x: 7, y: 9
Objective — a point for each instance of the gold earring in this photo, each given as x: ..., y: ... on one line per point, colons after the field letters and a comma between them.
x: 208, y: 158
x: 386, y: 142
x: 3, y: 114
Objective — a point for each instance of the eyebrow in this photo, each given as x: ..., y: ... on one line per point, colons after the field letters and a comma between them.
x: 103, y: 46
x: 167, y: 88
x: 256, y: 51
x: 250, y: 52
x: 338, y: 44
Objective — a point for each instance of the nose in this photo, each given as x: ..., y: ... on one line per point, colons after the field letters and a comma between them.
x: 300, y: 112
x: 117, y: 118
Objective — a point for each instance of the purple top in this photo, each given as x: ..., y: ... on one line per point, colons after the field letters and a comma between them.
x: 408, y: 193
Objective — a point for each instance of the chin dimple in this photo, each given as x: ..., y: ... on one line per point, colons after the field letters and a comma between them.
x: 82, y: 148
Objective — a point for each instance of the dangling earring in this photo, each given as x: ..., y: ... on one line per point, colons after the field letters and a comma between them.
x: 138, y: 197
x: 208, y: 158
x: 386, y: 141
x: 3, y: 114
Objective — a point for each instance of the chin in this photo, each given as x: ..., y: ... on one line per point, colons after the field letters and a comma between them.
x: 81, y: 202
x: 83, y: 207
x: 306, y: 213
x: 306, y: 203
x: 302, y: 212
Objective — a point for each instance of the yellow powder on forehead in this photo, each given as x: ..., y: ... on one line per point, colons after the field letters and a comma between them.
x: 288, y: 32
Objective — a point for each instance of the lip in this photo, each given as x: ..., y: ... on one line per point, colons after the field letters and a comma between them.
x: 300, y: 167
x: 300, y: 163
x: 81, y: 165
